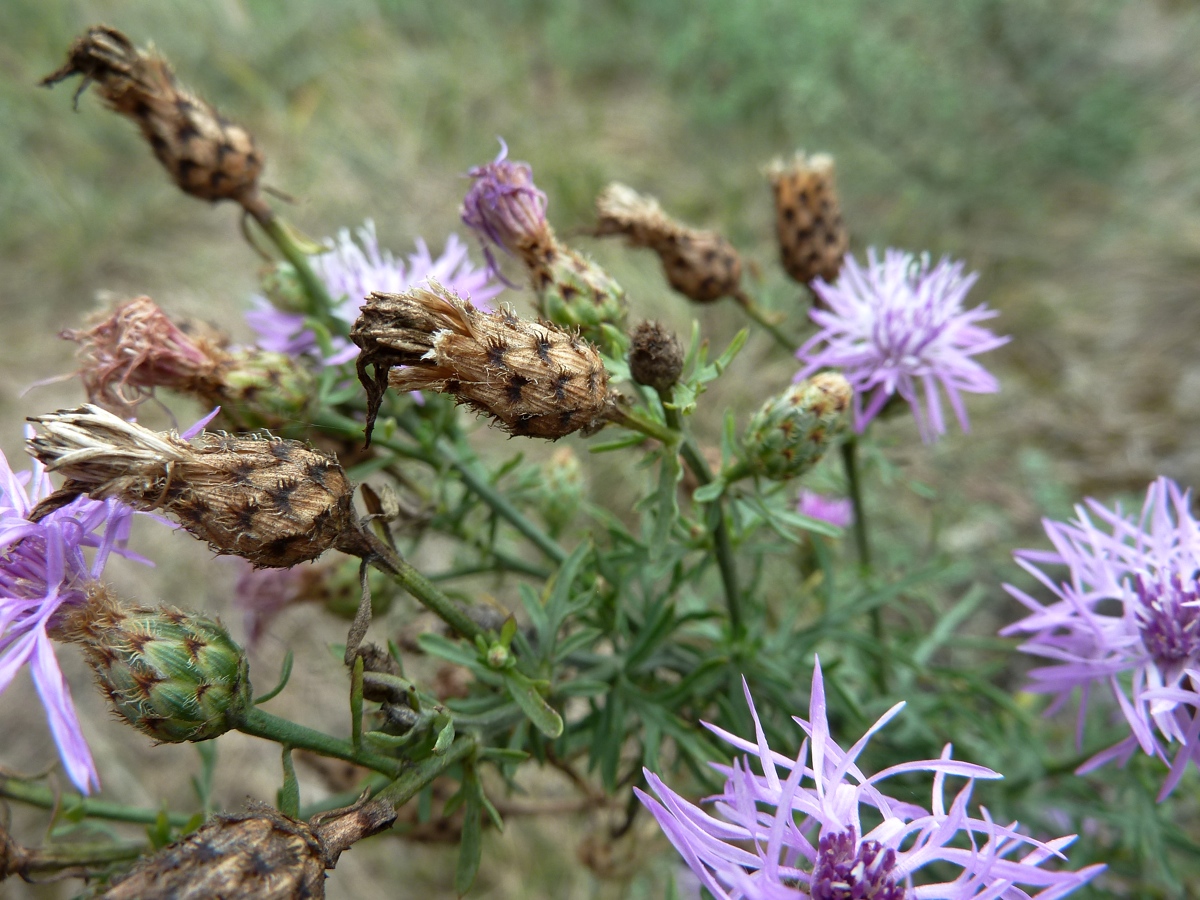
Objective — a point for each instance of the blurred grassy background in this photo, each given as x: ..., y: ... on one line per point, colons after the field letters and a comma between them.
x: 1054, y: 144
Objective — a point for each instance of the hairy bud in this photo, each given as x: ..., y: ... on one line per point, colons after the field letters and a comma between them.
x: 808, y: 217
x: 534, y: 378
x: 271, y: 501
x: 561, y: 489
x: 207, y: 156
x: 172, y: 675
x: 260, y: 853
x: 574, y: 292
x: 655, y: 356
x: 790, y: 433
x: 701, y: 265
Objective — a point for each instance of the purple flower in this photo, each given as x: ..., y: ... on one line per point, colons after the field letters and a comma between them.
x: 1128, y: 617
x: 350, y: 271
x: 505, y: 208
x: 796, y: 830
x: 43, y: 568
x: 896, y: 323
x: 834, y: 510
x: 264, y: 593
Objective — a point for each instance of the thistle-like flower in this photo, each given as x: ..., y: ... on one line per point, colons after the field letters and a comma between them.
x: 44, y: 571
x: 899, y: 327
x: 837, y: 511
x: 1127, y: 617
x: 274, y: 502
x: 701, y: 265
x: 207, y: 155
x: 507, y: 210
x: 352, y: 270
x: 808, y: 217
x: 797, y: 829
x: 534, y: 378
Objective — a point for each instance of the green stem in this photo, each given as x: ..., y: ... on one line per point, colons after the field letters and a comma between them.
x: 634, y: 421
x: 43, y: 797
x: 854, y: 482
x: 759, y: 316
x: 321, y: 304
x: 430, y: 596
x: 260, y: 723
x: 721, y: 543
x: 90, y: 856
x: 413, y: 781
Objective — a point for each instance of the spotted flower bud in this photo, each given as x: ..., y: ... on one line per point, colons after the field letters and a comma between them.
x: 271, y: 501
x: 534, y: 378
x: 655, y: 356
x: 260, y: 853
x: 561, y: 489
x: 701, y: 265
x: 808, y: 217
x: 507, y: 210
x: 791, y: 432
x: 206, y: 155
x: 173, y: 675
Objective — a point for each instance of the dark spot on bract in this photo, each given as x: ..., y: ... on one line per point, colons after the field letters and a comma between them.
x: 495, y: 356
x: 560, y: 386
x: 516, y: 384
x: 280, y: 449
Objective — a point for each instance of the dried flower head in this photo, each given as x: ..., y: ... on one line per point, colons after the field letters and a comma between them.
x: 271, y: 501
x: 797, y: 829
x: 534, y: 378
x: 1128, y: 618
x: 207, y: 155
x: 655, y: 355
x: 898, y: 326
x: 44, y: 573
x: 354, y: 267
x: 808, y: 217
x: 701, y: 265
x: 260, y: 853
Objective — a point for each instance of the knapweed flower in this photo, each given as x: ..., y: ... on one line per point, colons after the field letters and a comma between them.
x: 796, y: 830
x: 350, y: 271
x: 1127, y: 617
x: 898, y: 326
x: 44, y: 569
x: 506, y: 209
x: 834, y: 510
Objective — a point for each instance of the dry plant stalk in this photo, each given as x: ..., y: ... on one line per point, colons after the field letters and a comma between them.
x: 206, y: 155
x: 701, y: 265
x: 534, y: 378
x: 273, y: 502
x: 261, y: 853
x: 808, y: 217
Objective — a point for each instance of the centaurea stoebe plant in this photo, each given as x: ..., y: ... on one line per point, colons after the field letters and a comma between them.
x: 795, y: 828
x: 1126, y: 618
x: 899, y: 326
x: 43, y: 568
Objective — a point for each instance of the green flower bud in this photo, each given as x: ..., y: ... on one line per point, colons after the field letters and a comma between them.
x: 574, y: 292
x: 561, y: 489
x: 267, y: 390
x: 791, y: 432
x: 173, y: 675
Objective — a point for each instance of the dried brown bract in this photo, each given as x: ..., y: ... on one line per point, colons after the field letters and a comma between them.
x: 534, y: 378
x: 808, y: 218
x: 261, y: 854
x: 207, y: 155
x: 655, y: 355
x: 271, y: 501
x: 701, y: 265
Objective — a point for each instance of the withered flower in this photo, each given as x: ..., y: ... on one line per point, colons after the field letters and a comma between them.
x: 206, y: 155
x: 260, y: 853
x: 534, y: 378
x: 701, y: 265
x: 808, y: 218
x: 655, y: 355
x: 273, y: 502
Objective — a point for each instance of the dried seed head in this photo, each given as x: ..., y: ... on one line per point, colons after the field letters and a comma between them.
x: 808, y: 218
x: 136, y: 348
x: 574, y: 292
x: 207, y: 156
x: 173, y: 675
x: 701, y: 265
x: 534, y: 378
x: 271, y: 501
x: 655, y: 356
x: 790, y: 433
x: 260, y: 853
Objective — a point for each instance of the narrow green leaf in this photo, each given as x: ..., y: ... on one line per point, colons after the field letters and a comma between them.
x: 284, y: 674
x: 544, y: 716
x: 288, y: 799
x: 470, y: 849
